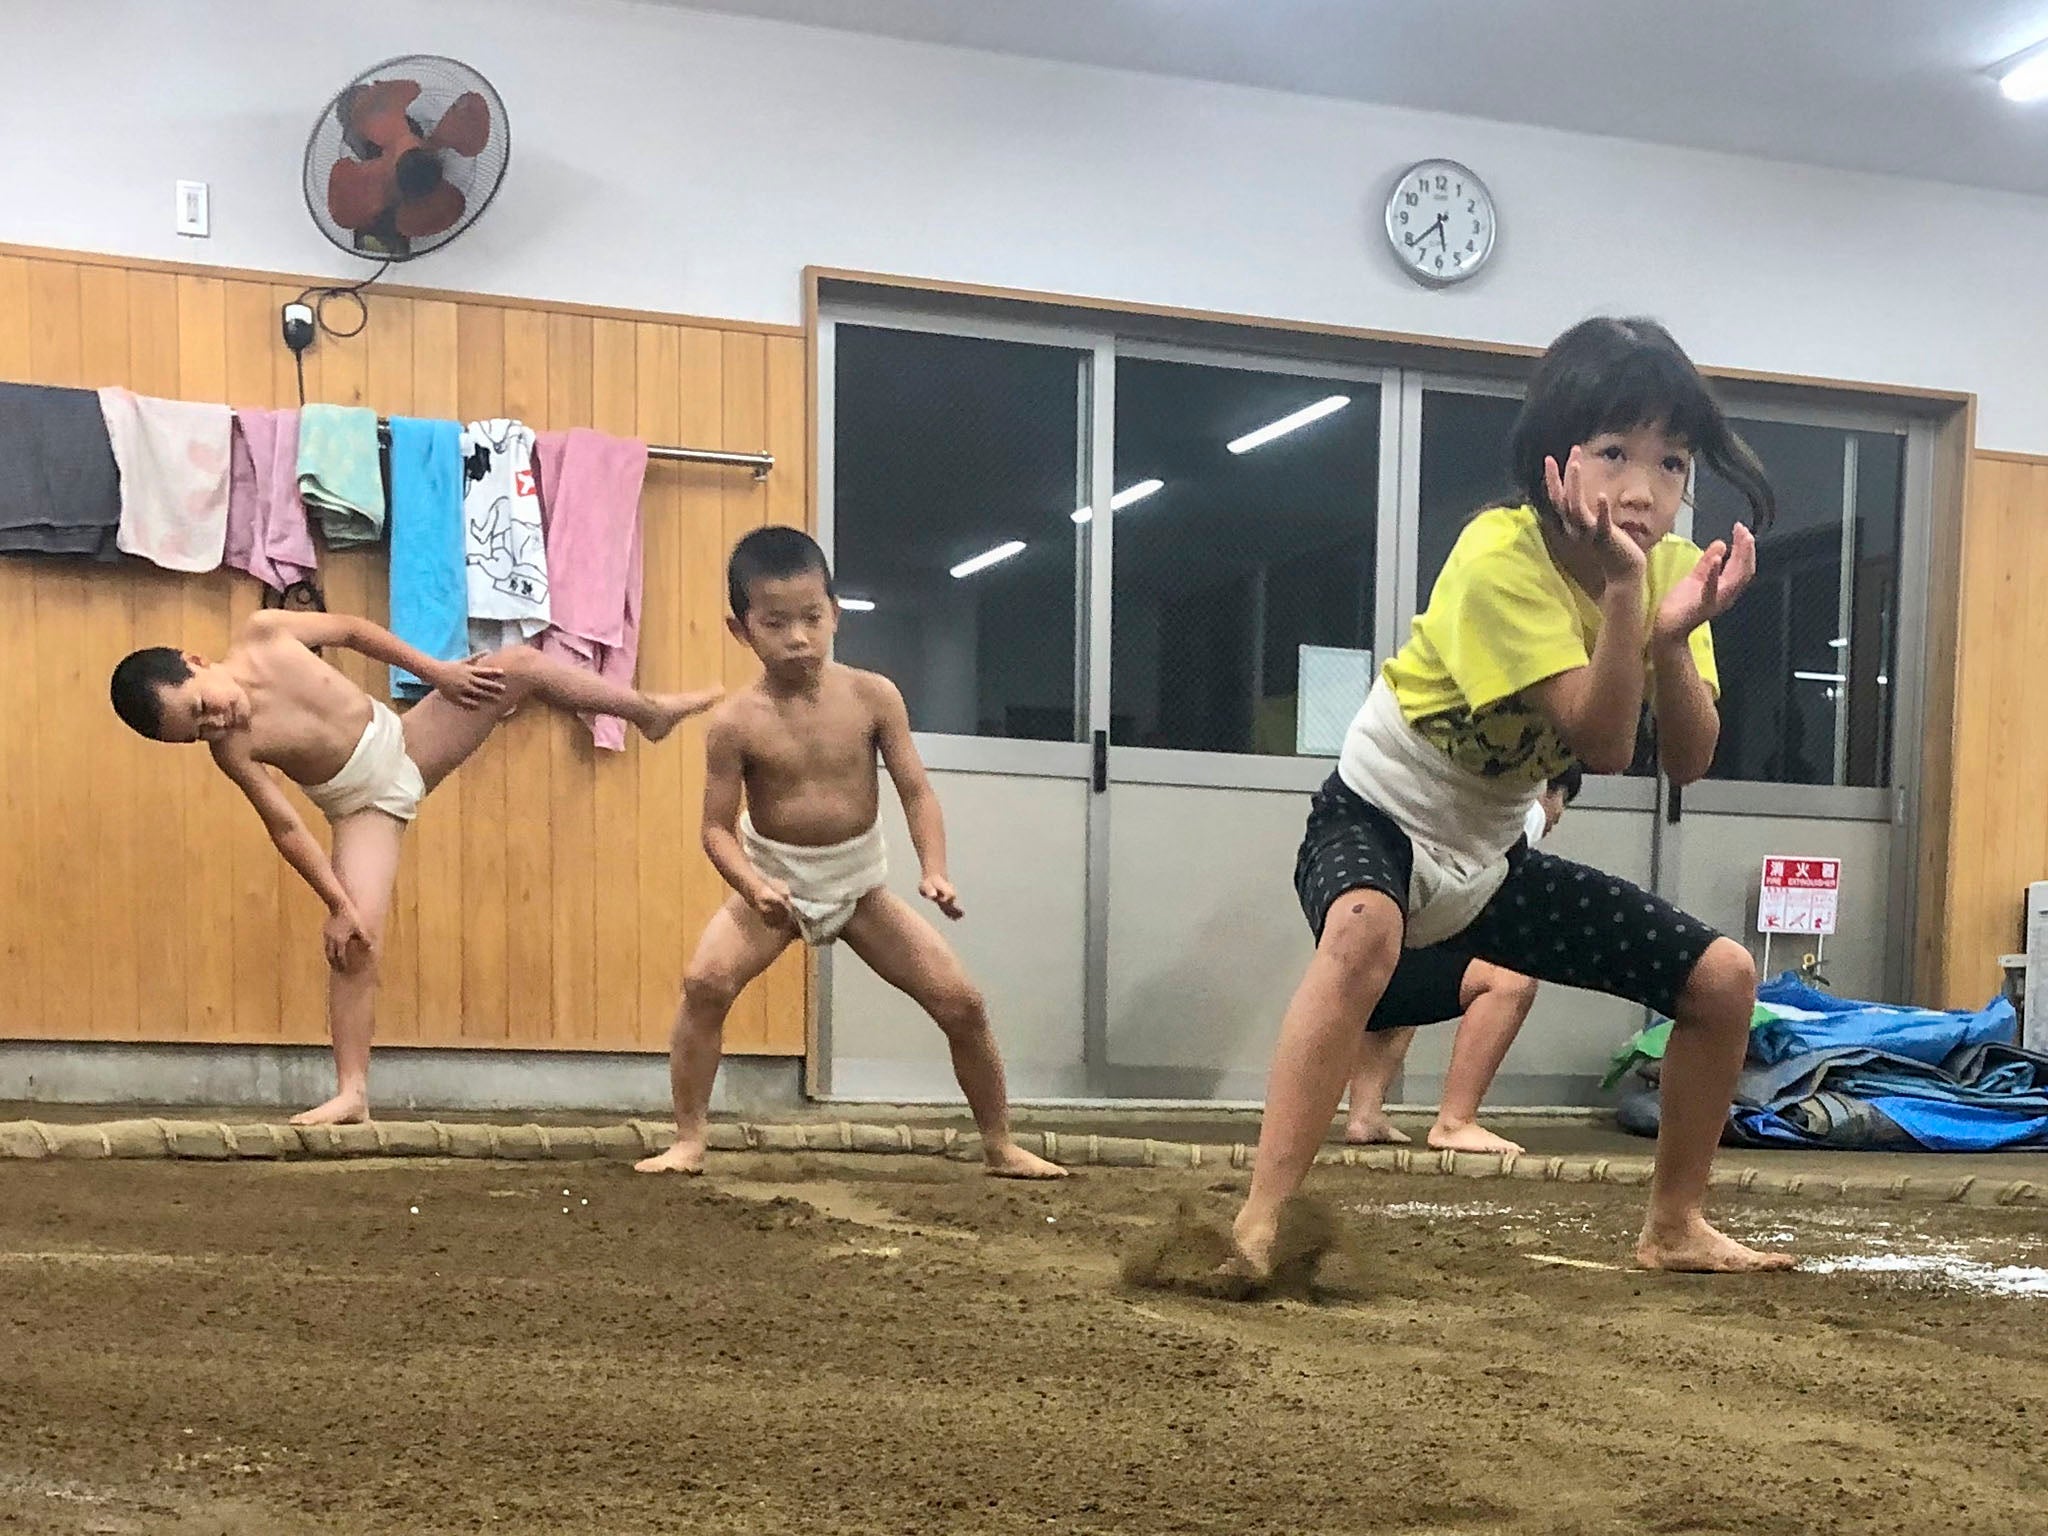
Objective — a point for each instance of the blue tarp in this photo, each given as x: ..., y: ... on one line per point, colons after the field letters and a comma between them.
x: 1832, y: 1072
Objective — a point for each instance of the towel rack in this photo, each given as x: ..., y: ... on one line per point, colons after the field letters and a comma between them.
x: 759, y: 463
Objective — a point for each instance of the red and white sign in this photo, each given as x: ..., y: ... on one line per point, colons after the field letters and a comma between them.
x: 1799, y: 895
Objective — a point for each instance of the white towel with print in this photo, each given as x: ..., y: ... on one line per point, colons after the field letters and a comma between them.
x: 504, y: 548
x: 1460, y: 824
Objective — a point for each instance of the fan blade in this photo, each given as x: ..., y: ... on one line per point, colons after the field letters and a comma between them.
x: 419, y: 217
x: 465, y: 127
x: 377, y: 110
x: 358, y: 193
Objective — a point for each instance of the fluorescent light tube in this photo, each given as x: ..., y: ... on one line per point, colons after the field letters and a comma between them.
x: 987, y: 558
x: 1124, y: 498
x: 2024, y: 76
x: 1286, y: 424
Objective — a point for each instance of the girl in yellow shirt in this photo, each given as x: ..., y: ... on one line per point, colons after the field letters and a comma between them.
x: 1552, y: 624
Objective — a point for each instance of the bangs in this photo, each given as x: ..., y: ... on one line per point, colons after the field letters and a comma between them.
x: 1652, y: 386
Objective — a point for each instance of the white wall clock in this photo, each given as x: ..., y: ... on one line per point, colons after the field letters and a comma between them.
x: 1441, y: 222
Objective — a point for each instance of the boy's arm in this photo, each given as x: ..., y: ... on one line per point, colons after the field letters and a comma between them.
x: 345, y: 935
x: 1688, y: 720
x: 1597, y: 707
x: 920, y: 801
x: 463, y: 682
x: 724, y: 783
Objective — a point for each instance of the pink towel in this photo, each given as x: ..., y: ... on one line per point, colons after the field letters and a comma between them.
x: 268, y: 535
x: 173, y: 456
x: 590, y: 504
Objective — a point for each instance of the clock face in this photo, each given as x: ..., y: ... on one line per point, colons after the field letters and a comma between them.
x: 1441, y: 222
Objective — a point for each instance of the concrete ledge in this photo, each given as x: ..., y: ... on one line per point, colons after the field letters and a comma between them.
x: 273, y: 1077
x: 218, y: 1141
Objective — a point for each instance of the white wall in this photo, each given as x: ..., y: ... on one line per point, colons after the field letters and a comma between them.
x: 675, y: 160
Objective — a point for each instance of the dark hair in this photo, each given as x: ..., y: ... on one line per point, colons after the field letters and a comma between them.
x: 1609, y: 375
x: 139, y: 681
x: 772, y: 554
x: 1571, y: 781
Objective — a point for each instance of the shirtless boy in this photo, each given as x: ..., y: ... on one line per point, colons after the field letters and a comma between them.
x: 805, y: 859
x: 272, y: 703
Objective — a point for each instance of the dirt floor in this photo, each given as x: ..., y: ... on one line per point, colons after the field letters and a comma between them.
x: 898, y: 1345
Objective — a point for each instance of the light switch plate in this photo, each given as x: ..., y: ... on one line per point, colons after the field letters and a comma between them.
x: 192, y: 212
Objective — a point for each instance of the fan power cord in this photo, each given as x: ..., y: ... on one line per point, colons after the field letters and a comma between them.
x: 303, y: 318
x: 321, y: 295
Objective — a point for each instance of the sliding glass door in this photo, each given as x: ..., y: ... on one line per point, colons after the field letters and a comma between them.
x: 1133, y: 595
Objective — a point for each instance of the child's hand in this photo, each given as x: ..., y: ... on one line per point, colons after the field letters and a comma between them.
x: 1589, y: 521
x: 1708, y: 590
x: 467, y: 684
x: 346, y: 940
x: 770, y: 902
x: 938, y: 890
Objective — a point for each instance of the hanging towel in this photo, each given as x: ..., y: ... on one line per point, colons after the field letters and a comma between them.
x: 339, y: 476
x: 174, y: 477
x: 590, y: 499
x: 268, y: 536
x: 60, y: 492
x: 429, y: 589
x: 506, y: 549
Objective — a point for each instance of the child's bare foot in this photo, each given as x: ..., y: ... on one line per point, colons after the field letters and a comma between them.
x: 1694, y: 1247
x: 682, y: 1157
x: 351, y: 1108
x: 1372, y: 1128
x: 1251, y: 1258
x: 1279, y: 1258
x: 1470, y: 1136
x: 1010, y: 1161
x: 666, y: 711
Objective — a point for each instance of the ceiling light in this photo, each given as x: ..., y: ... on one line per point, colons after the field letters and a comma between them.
x: 1287, y: 424
x: 987, y: 558
x: 2024, y: 76
x: 1124, y: 498
x: 1820, y: 677
x: 857, y: 604
x: 1840, y: 642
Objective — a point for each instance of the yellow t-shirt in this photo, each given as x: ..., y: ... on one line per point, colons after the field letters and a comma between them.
x: 1503, y: 617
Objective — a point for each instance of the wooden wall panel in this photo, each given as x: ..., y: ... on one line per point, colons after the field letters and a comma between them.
x: 529, y: 969
x: 666, y: 826
x: 550, y: 892
x: 614, y: 396
x: 1997, y: 816
x: 572, y: 816
x: 21, y: 941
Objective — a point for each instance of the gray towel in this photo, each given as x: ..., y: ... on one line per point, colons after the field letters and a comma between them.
x: 60, y: 493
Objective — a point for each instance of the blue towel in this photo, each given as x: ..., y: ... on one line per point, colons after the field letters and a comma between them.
x: 429, y: 576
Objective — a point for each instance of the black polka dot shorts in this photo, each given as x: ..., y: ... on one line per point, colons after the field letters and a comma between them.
x: 1551, y: 919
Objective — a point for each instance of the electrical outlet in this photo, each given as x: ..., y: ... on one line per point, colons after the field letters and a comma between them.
x: 192, y: 218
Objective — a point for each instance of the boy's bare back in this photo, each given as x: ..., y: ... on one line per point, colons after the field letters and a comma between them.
x: 304, y: 718
x: 808, y: 760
